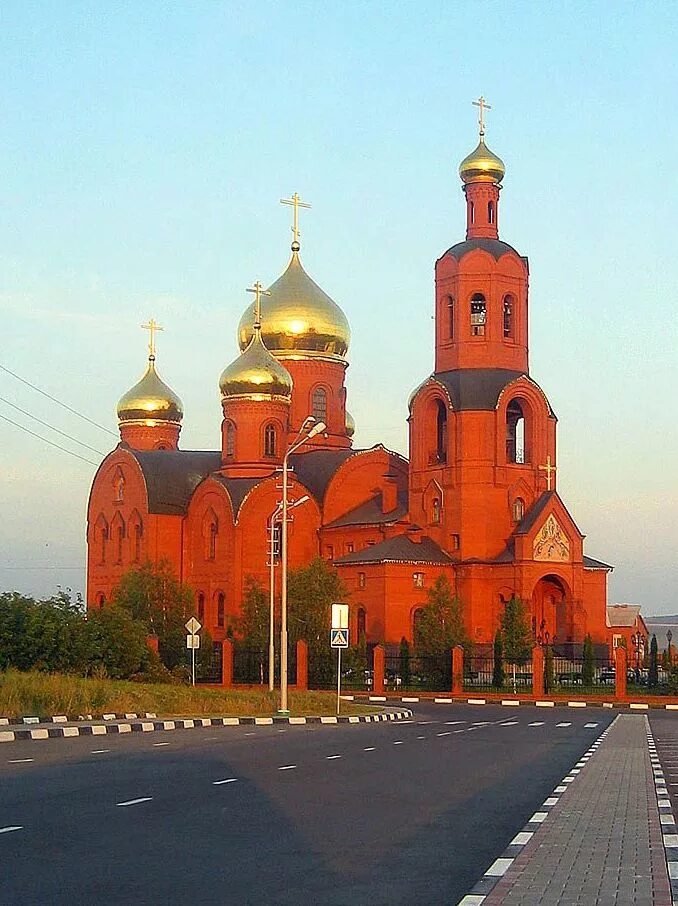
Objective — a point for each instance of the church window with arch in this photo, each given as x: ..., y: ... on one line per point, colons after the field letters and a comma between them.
x: 518, y: 509
x: 119, y: 541
x: 119, y: 487
x: 361, y: 580
x: 361, y: 624
x: 230, y: 439
x: 319, y: 404
x: 137, y: 533
x: 418, y: 580
x: 516, y: 451
x: 417, y: 619
x: 101, y: 600
x: 270, y: 441
x: 490, y: 212
x: 478, y: 315
x: 508, y: 317
x: 435, y: 511
x: 221, y: 610
x: 201, y: 608
x: 450, y: 317
x: 440, y: 455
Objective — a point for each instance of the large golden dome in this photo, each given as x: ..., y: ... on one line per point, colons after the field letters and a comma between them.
x: 482, y: 165
x: 256, y: 374
x: 299, y: 319
x: 150, y: 399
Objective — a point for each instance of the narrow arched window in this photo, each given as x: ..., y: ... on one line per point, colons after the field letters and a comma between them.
x: 441, y: 432
x: 435, y: 511
x: 119, y: 487
x: 221, y: 610
x: 450, y: 317
x: 201, y: 607
x: 518, y: 509
x: 319, y: 404
x: 136, y: 551
x: 508, y: 317
x: 270, y: 441
x: 101, y: 600
x: 212, y: 541
x: 478, y: 315
x: 230, y: 439
x: 515, y: 433
x: 120, y: 540
x: 490, y: 212
x: 472, y: 212
x: 361, y: 623
x: 417, y: 618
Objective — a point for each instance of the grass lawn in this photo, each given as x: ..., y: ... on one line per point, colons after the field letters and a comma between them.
x: 44, y: 694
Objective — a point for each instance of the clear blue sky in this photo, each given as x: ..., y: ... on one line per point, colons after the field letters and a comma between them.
x: 143, y: 151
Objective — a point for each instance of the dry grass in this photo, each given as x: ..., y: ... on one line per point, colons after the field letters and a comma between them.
x: 44, y: 694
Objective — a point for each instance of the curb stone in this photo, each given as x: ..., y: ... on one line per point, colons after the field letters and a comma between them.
x: 149, y: 726
x: 666, y: 817
x: 514, y: 702
x: 65, y: 719
x: 500, y: 866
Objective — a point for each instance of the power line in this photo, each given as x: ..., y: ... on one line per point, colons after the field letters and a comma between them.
x: 50, y: 442
x: 51, y: 427
x: 58, y: 402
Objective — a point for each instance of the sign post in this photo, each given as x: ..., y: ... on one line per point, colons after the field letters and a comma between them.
x: 339, y: 639
x: 193, y: 642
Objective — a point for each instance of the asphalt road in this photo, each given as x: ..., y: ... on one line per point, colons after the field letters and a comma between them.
x: 397, y: 813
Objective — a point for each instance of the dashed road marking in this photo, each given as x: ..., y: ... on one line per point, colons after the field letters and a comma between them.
x: 398, y: 742
x: 332, y: 757
x: 563, y: 725
x: 536, y: 723
x: 12, y: 827
x: 227, y: 780
x: 19, y: 760
x: 447, y: 733
x: 451, y: 723
x: 287, y: 767
x: 134, y: 801
x: 99, y: 751
x: 369, y: 749
x: 509, y: 723
x: 158, y: 744
x: 590, y: 726
x: 421, y: 737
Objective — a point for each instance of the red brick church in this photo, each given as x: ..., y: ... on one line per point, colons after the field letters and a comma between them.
x: 477, y: 501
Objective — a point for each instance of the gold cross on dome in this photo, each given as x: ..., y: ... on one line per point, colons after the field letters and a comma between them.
x: 256, y: 288
x: 296, y: 203
x: 152, y: 327
x: 482, y: 106
x: 550, y: 470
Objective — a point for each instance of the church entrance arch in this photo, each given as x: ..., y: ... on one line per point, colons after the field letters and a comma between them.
x: 552, y: 617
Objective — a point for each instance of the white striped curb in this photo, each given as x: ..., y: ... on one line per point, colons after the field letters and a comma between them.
x: 666, y: 818
x: 501, y: 865
x: 190, y: 723
x: 64, y: 719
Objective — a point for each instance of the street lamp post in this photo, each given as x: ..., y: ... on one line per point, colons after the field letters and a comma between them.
x: 308, y: 430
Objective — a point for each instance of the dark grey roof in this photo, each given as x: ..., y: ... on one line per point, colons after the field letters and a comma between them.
x: 535, y: 511
x: 316, y: 468
x: 495, y: 247
x: 476, y: 388
x: 370, y: 513
x: 237, y: 488
x: 590, y: 563
x: 171, y: 476
x: 400, y: 549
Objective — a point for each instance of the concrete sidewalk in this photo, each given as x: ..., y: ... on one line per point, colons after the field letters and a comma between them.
x: 598, y: 841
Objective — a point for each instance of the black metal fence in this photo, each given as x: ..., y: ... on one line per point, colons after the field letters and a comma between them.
x: 576, y: 674
x: 415, y: 673
x: 250, y: 665
x: 640, y: 681
x: 209, y: 671
x: 480, y: 675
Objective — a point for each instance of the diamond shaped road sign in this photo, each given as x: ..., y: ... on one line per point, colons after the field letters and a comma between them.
x: 193, y: 626
x: 339, y: 638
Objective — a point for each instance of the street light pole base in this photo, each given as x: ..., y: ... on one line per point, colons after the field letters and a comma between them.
x: 284, y: 712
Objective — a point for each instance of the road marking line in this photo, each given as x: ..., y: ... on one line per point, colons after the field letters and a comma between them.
x: 19, y: 760
x: 423, y: 737
x: 287, y: 767
x: 228, y: 780
x: 12, y: 827
x: 509, y: 723
x: 249, y: 734
x: 448, y: 733
x: 564, y: 725
x: 398, y: 742
x: 450, y: 723
x: 99, y: 751
x: 536, y: 723
x: 134, y: 801
x: 590, y: 726
x: 156, y: 744
x: 332, y: 757
x: 369, y: 748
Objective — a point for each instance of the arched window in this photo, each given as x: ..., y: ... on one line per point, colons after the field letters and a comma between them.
x: 161, y: 446
x: 221, y: 610
x: 515, y: 433
x: 119, y: 486
x: 478, y: 315
x: 319, y: 404
x: 361, y: 623
x: 450, y: 317
x: 212, y: 541
x: 201, y: 608
x: 490, y: 212
x: 101, y: 537
x: 417, y: 618
x: 101, y: 600
x: 441, y: 432
x: 518, y: 509
x: 120, y: 540
x: 136, y: 552
x: 472, y: 212
x: 361, y: 580
x: 508, y: 317
x: 230, y: 439
x: 270, y: 441
x: 435, y: 511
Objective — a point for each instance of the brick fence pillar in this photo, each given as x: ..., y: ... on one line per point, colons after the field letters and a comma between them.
x: 227, y: 663
x: 457, y: 670
x: 378, y: 670
x: 538, y: 671
x: 302, y: 665
x: 620, y: 673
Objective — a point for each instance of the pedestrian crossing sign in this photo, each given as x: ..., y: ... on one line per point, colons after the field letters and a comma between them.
x: 339, y: 638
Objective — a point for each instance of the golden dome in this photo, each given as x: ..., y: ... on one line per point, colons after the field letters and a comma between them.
x: 350, y: 424
x: 151, y: 398
x: 482, y: 165
x: 256, y: 374
x: 299, y: 319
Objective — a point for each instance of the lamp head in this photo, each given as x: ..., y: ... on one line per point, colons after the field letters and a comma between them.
x: 316, y: 429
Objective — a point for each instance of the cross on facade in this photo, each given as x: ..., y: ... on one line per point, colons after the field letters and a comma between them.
x: 482, y: 106
x: 550, y: 470
x: 296, y: 203
x: 258, y: 293
x: 152, y: 327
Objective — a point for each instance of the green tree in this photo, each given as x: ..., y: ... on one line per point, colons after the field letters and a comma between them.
x: 116, y: 644
x: 653, y: 670
x: 252, y: 626
x: 516, y: 635
x: 311, y: 591
x: 498, y: 662
x: 155, y: 597
x: 587, y: 662
x: 441, y: 625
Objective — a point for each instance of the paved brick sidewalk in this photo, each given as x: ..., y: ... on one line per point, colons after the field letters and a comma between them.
x: 601, y: 844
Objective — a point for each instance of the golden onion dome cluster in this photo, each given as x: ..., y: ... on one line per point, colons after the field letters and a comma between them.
x: 256, y: 374
x: 150, y: 400
x: 482, y: 165
x: 299, y: 319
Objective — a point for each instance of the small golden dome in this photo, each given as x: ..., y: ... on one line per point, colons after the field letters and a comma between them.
x: 350, y: 424
x: 299, y: 319
x: 482, y: 165
x: 256, y: 374
x: 150, y: 399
